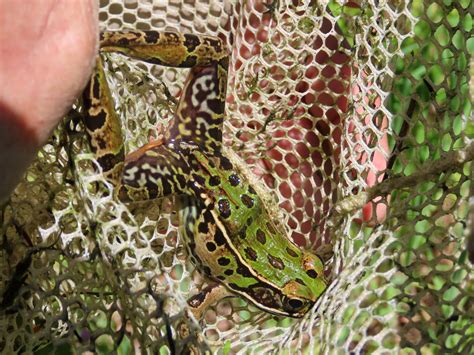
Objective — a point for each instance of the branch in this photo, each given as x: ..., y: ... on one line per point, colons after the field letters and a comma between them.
x: 448, y: 161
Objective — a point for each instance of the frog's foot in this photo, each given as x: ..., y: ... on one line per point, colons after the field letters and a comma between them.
x: 208, y: 296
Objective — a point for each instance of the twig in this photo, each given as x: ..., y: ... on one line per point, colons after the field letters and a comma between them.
x: 447, y: 162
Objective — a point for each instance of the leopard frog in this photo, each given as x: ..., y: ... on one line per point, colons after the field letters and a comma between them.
x: 229, y: 234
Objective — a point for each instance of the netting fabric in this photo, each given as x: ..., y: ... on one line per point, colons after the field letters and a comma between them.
x: 357, y: 118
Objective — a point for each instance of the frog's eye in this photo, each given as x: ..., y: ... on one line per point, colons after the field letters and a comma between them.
x: 294, y: 305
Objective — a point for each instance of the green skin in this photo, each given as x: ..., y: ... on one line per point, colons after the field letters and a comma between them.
x: 225, y: 226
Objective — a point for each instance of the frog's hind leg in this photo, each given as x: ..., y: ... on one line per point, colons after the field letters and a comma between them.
x: 153, y: 171
x: 157, y: 170
x: 102, y: 125
x: 200, y: 112
x: 199, y: 116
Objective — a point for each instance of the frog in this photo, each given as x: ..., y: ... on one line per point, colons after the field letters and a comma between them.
x: 229, y: 234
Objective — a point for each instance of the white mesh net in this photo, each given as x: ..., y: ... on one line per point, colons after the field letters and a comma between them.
x: 355, y: 115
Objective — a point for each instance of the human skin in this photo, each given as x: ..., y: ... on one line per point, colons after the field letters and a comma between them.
x: 47, y: 52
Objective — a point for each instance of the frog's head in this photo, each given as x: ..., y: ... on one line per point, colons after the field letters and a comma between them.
x: 300, y: 294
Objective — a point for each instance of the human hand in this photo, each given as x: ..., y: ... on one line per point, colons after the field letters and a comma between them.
x: 47, y: 52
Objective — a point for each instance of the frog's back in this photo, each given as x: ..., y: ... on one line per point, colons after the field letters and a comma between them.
x: 234, y: 240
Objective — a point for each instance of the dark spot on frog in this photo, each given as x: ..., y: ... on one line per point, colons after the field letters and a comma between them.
x: 226, y: 164
x: 224, y: 208
x: 220, y: 277
x: 152, y: 36
x: 216, y: 105
x: 252, y: 191
x: 215, y: 133
x: 109, y: 161
x: 203, y: 227
x: 251, y: 254
x: 214, y: 180
x: 181, y: 180
x: 249, y: 221
x: 222, y: 261
x: 312, y: 273
x: 102, y: 144
x: 276, y: 262
x: 167, y: 187
x: 208, y: 216
x: 271, y: 229
x: 219, y: 237
x: 229, y: 272
x: 202, y: 96
x: 247, y: 200
x: 301, y: 282
x: 234, y: 286
x: 243, y: 233
x: 291, y: 252
x: 234, y: 180
x: 123, y: 42
x: 207, y: 270
x: 211, y: 246
x: 199, y: 179
x: 261, y: 236
x: 244, y: 271
x: 97, y: 120
x: 95, y: 89
x: 191, y: 42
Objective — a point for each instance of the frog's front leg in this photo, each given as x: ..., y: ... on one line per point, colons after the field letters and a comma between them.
x: 208, y: 296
